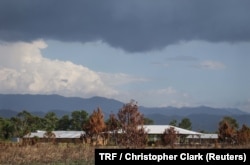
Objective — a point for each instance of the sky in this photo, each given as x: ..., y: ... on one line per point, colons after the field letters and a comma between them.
x: 158, y: 53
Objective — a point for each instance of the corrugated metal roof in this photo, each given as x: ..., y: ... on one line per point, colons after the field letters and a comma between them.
x: 151, y: 129
x: 58, y: 134
x: 159, y: 129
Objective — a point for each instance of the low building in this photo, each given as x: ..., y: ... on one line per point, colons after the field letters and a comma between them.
x: 55, y: 136
x: 204, y: 139
x: 156, y: 131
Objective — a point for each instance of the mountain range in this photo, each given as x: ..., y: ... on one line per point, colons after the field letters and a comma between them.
x: 203, y: 118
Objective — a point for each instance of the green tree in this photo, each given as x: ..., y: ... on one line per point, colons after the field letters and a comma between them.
x: 37, y: 123
x: 173, y: 122
x: 6, y: 129
x: 148, y: 121
x: 24, y: 123
x: 78, y: 118
x: 51, y: 121
x: 185, y: 123
x: 64, y: 123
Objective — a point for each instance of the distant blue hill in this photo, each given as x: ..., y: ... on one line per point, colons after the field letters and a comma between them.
x: 45, y: 103
x: 202, y: 117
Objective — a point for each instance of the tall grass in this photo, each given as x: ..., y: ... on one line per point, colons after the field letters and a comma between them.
x: 46, y: 153
x: 61, y: 153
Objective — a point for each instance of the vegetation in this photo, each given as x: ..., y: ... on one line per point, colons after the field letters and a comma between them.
x: 95, y: 126
x: 124, y: 129
x: 25, y: 123
x: 46, y: 153
x: 131, y: 123
x: 243, y: 135
x: 113, y: 127
x: 229, y: 134
x: 169, y: 137
x: 185, y: 123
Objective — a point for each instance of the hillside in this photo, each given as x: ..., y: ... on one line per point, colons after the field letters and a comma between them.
x: 203, y: 118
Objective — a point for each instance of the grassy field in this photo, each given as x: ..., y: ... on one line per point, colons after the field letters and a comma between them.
x: 46, y: 153
x: 55, y: 154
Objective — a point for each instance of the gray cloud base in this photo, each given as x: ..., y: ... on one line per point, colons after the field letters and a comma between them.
x: 131, y: 25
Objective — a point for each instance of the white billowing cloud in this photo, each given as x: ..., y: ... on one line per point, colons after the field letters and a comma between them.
x: 211, y: 65
x: 23, y: 69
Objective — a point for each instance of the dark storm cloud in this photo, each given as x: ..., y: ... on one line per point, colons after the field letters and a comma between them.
x: 133, y: 25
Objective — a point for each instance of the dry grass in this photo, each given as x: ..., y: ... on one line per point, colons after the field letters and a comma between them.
x: 46, y: 153
x: 59, y: 154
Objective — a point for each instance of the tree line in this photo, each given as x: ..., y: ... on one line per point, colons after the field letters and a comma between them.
x: 124, y: 128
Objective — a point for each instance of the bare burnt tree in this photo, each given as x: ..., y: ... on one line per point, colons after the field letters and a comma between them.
x: 227, y: 134
x: 112, y: 128
x: 95, y: 126
x: 169, y: 137
x: 131, y: 123
x: 243, y: 135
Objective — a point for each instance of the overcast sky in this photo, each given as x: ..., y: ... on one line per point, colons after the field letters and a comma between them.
x: 159, y: 53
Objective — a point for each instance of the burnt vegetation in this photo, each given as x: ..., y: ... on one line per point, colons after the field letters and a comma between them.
x: 122, y: 130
